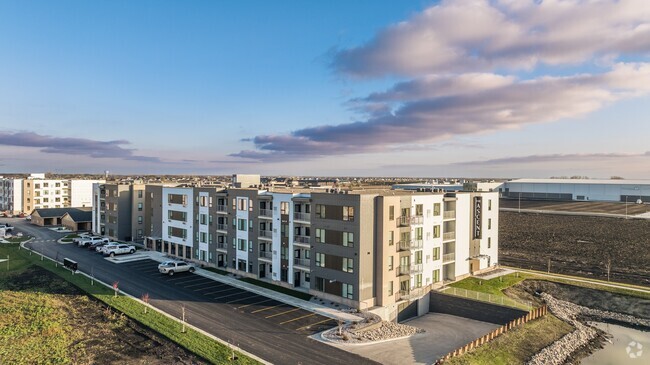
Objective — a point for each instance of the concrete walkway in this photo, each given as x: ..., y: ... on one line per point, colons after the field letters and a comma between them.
x: 284, y: 298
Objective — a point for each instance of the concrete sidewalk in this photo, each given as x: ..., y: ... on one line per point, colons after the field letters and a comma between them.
x: 288, y: 299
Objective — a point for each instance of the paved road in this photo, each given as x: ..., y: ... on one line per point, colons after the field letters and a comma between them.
x: 271, y: 330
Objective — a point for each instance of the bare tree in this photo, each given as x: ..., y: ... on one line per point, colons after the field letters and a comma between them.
x: 145, y: 299
x: 115, y: 288
x: 608, y: 266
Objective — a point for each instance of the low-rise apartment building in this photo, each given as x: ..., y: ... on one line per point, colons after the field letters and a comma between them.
x: 359, y: 248
x: 119, y: 211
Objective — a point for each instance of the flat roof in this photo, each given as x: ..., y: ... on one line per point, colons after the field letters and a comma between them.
x: 581, y: 181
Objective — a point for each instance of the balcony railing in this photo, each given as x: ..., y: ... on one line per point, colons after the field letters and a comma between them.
x: 449, y: 214
x: 298, y: 216
x: 301, y: 262
x: 404, y: 221
x: 404, y: 270
x: 222, y: 208
x: 415, y: 268
x: 410, y: 245
x: 449, y: 257
x: 410, y: 294
x: 448, y: 236
x: 266, y: 213
x: 266, y: 255
x: 301, y: 239
x: 265, y: 234
x: 222, y: 227
x: 417, y: 219
x: 222, y: 246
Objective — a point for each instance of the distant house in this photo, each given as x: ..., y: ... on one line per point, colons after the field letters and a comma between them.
x: 78, y: 220
x: 49, y: 217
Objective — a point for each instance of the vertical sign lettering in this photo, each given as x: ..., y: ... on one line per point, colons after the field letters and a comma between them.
x: 478, y: 205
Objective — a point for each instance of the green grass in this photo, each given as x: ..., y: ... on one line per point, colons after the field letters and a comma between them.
x: 592, y: 284
x: 191, y: 340
x: 17, y: 239
x: 279, y: 289
x: 215, y: 270
x: 518, y: 345
x: 71, y: 236
x: 493, y: 286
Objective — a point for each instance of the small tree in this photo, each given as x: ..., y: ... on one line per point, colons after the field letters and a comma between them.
x: 145, y: 299
x: 608, y: 266
x: 115, y: 284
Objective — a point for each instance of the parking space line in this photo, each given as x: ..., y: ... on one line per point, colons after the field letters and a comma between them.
x: 264, y: 301
x: 202, y: 283
x: 314, y: 324
x: 281, y: 313
x: 301, y: 317
x: 267, y: 308
x: 220, y: 291
x: 226, y: 296
x: 212, y: 286
x: 237, y: 300
x: 141, y: 264
x: 181, y: 278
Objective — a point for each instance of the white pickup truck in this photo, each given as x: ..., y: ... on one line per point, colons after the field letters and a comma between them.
x: 89, y: 240
x: 112, y: 250
x: 171, y: 267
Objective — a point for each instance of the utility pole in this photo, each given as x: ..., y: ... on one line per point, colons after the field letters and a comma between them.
x: 549, y: 265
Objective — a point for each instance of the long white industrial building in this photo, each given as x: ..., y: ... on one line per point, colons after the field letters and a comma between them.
x: 577, y: 189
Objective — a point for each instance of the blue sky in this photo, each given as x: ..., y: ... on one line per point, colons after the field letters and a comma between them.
x: 421, y: 88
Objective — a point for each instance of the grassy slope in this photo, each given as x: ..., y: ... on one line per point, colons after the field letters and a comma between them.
x: 492, y: 286
x: 517, y: 345
x: 192, y: 340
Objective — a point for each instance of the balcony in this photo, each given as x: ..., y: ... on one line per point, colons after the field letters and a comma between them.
x: 266, y: 213
x: 415, y: 269
x: 222, y: 227
x: 449, y: 257
x: 410, y: 245
x: 266, y: 255
x: 298, y: 216
x: 448, y: 236
x: 301, y: 240
x: 404, y: 221
x: 404, y: 270
x: 265, y: 234
x: 222, y: 209
x: 417, y: 219
x: 222, y: 246
x: 449, y: 214
x: 302, y: 262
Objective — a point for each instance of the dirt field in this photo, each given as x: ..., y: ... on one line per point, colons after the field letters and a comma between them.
x: 575, y: 206
x: 45, y: 320
x: 577, y: 245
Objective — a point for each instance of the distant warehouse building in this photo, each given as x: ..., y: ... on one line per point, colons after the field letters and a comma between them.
x: 577, y: 189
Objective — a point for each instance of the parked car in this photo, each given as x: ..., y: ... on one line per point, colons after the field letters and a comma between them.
x: 90, y: 240
x: 171, y: 267
x: 118, y: 250
x: 102, y: 248
x: 82, y: 236
x: 95, y: 245
x: 7, y: 227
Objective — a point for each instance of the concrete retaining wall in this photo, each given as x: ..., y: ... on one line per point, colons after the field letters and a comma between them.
x: 468, y: 308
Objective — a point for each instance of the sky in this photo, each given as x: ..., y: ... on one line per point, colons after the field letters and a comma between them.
x: 463, y: 88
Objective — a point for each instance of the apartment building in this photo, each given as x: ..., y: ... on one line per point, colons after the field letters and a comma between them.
x: 359, y: 248
x: 119, y: 211
x: 23, y: 195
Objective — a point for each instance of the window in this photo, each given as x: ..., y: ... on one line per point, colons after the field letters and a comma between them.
x: 418, y: 257
x: 418, y: 233
x: 203, y: 201
x: 210, y: 240
x: 241, y: 203
x: 436, y: 275
x: 348, y: 213
x: 489, y: 223
x: 346, y: 290
x: 391, y: 213
x: 140, y: 233
x: 204, y: 237
x: 390, y: 263
x: 489, y: 204
x: 140, y: 194
x: 250, y: 246
x: 320, y: 235
x: 284, y: 253
x: 284, y: 207
x: 436, y: 253
x: 419, y: 210
x: 418, y: 280
x: 139, y: 219
x: 348, y: 239
x: 320, y: 210
x: 241, y: 244
x: 241, y: 225
x: 139, y: 207
x: 390, y: 288
x: 489, y: 242
x: 203, y: 218
x: 348, y: 265
x: 320, y: 259
x: 436, y: 231
x: 436, y: 209
x: 391, y: 238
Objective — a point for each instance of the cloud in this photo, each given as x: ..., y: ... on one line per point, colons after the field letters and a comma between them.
x: 479, y: 35
x: 574, y: 157
x: 423, y: 111
x: 73, y: 146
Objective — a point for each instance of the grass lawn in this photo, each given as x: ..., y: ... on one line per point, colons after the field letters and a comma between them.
x: 279, y: 289
x: 493, y: 286
x: 517, y: 345
x: 218, y: 271
x: 191, y: 340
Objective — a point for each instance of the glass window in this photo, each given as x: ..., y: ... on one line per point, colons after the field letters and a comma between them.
x: 391, y: 212
x: 320, y: 259
x: 348, y: 239
x: 436, y: 209
x: 348, y: 265
x: 320, y: 235
x: 348, y: 213
x: 347, y: 291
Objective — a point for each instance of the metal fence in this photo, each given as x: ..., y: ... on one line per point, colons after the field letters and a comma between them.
x: 490, y: 298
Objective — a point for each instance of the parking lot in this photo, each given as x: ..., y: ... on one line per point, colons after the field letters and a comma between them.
x: 255, y: 305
